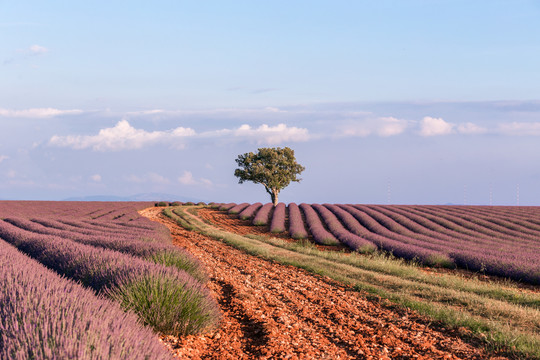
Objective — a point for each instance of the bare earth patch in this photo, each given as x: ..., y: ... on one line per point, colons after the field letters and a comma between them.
x: 272, y: 311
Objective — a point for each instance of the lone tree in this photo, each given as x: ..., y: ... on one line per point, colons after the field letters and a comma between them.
x: 275, y: 168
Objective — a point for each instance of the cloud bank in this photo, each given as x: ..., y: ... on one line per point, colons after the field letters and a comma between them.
x: 264, y: 134
x: 384, y: 126
x: 520, y: 128
x: 430, y: 126
x: 37, y: 113
x: 123, y: 136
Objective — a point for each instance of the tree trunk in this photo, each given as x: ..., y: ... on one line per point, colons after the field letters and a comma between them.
x: 274, y: 195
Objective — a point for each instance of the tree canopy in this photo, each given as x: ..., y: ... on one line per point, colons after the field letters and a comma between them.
x: 274, y: 168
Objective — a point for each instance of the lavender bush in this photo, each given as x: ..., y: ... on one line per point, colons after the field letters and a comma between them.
x: 316, y: 227
x: 297, y: 229
x: 159, y: 253
x: 261, y: 218
x: 238, y: 208
x: 45, y: 316
x: 227, y: 207
x: 277, y: 224
x: 354, y: 241
x: 249, y: 211
x: 114, y: 273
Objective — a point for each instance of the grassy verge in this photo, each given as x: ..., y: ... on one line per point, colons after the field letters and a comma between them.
x: 502, y: 315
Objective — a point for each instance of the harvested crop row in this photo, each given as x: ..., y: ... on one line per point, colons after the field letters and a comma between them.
x: 45, y: 316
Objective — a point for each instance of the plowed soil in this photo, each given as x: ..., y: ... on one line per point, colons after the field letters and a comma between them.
x: 273, y: 311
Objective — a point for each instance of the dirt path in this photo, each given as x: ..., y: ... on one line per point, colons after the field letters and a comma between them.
x: 272, y: 311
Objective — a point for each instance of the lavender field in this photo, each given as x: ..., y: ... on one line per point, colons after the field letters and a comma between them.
x: 495, y: 240
x: 89, y: 269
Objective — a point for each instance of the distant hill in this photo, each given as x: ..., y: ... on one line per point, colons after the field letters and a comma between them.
x: 137, y: 197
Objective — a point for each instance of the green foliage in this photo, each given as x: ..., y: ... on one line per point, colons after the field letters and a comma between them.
x: 161, y: 203
x: 180, y: 261
x: 274, y: 168
x: 167, y: 305
x: 174, y: 216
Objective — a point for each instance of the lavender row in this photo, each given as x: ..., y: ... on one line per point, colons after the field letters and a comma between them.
x: 297, y: 230
x: 385, y: 226
x: 169, y: 300
x: 477, y: 227
x: 434, y: 235
x: 238, y: 208
x: 492, y: 224
x: 316, y: 227
x: 443, y: 231
x: 45, y: 316
x: 475, y: 234
x: 518, y: 266
x: 249, y: 211
x: 515, y: 262
x: 348, y: 238
x: 227, y: 207
x: 261, y: 218
x: 67, y: 209
x: 277, y: 224
x: 159, y: 253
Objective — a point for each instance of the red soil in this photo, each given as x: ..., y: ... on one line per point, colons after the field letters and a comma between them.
x: 273, y: 311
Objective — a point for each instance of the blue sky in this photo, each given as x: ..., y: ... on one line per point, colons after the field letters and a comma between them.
x: 410, y: 102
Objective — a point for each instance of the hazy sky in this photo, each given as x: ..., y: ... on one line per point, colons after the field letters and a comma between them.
x: 409, y: 102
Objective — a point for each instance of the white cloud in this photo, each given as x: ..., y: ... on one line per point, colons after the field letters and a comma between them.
x: 123, y: 136
x: 206, y: 182
x: 360, y: 130
x: 274, y: 109
x: 264, y: 134
x: 389, y: 126
x: 187, y: 179
x: 470, y: 128
x: 11, y: 174
x: 520, y: 128
x: 3, y: 157
x: 435, y: 126
x: 96, y: 178
x: 150, y: 177
x: 146, y: 112
x: 38, y: 50
x: 384, y: 126
x: 37, y: 113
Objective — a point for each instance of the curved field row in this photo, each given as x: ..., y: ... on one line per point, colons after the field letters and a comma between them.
x: 46, y: 316
x: 116, y: 254
x: 501, y: 241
